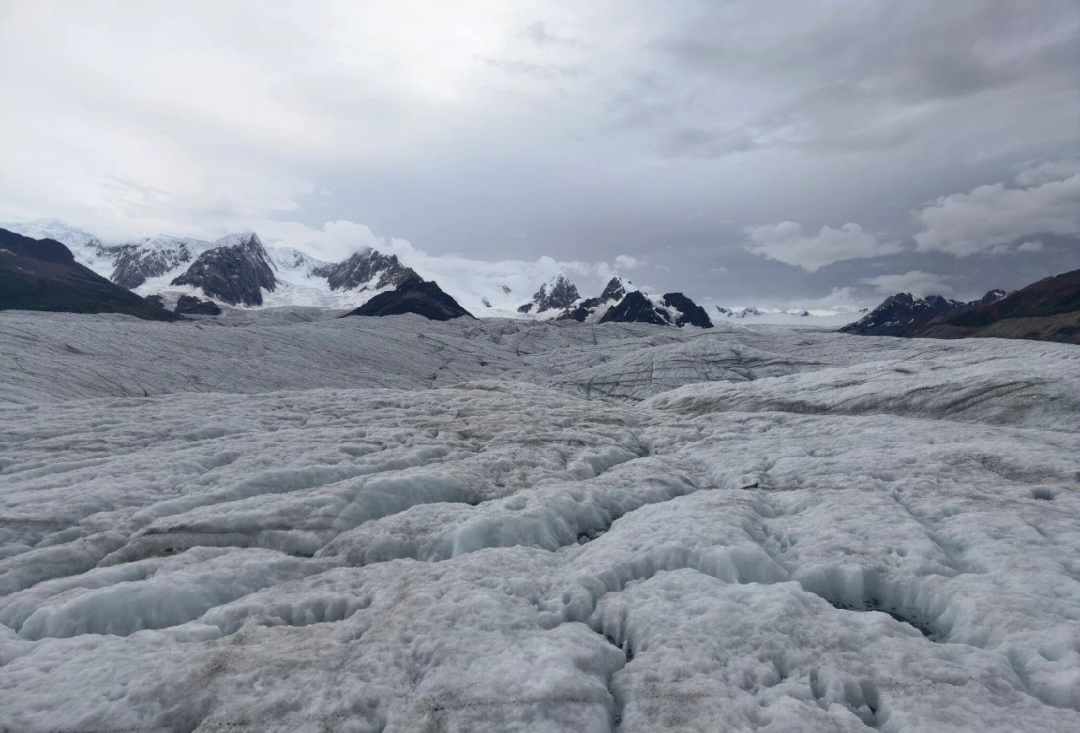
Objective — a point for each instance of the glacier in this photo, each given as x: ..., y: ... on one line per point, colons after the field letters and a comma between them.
x: 283, y: 520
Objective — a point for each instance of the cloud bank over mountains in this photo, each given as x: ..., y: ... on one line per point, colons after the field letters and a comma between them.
x: 762, y: 152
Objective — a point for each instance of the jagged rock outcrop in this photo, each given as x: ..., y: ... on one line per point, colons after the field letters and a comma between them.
x: 635, y: 308
x: 619, y: 304
x: 559, y: 292
x: 674, y: 309
x: 154, y: 256
x: 413, y: 295
x: 689, y: 312
x: 369, y: 269
x: 43, y: 275
x: 236, y: 270
x: 901, y: 315
x: 613, y: 292
x: 189, y: 305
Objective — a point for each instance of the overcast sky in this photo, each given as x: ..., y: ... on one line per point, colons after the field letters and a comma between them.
x: 763, y: 153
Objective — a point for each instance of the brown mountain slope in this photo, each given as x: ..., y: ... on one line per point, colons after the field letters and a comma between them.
x: 1047, y: 310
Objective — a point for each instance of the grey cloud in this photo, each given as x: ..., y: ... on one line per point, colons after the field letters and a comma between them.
x: 916, y: 282
x: 581, y: 133
x: 859, y: 78
x: 787, y: 243
x: 991, y: 218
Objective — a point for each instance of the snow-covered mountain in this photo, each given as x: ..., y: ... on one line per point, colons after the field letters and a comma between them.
x: 38, y: 275
x: 367, y: 269
x: 237, y: 269
x: 556, y: 293
x: 815, y: 316
x: 134, y: 264
x: 240, y: 270
x: 87, y: 249
x: 621, y: 302
x: 901, y: 315
x: 589, y: 310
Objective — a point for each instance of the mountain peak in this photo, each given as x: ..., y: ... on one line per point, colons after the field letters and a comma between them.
x: 366, y: 269
x: 413, y: 295
x: 236, y: 270
x: 239, y: 239
x: 615, y: 289
x: 558, y: 292
x: 901, y: 314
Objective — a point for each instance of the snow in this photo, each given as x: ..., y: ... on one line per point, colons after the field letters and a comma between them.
x: 801, y: 317
x: 87, y: 249
x: 282, y: 520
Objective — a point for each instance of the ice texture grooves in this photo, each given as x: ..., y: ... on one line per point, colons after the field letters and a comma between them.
x: 284, y: 521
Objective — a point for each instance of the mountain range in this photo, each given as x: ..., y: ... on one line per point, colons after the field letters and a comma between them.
x: 618, y: 302
x: 192, y: 276
x: 1046, y: 310
x: 43, y: 275
x: 237, y: 270
x: 46, y: 265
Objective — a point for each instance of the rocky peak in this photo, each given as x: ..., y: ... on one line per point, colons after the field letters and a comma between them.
x: 558, y: 292
x: 365, y: 269
x: 236, y: 269
x: 187, y: 305
x: 901, y: 315
x: 413, y: 295
x: 689, y: 312
x: 151, y: 257
x: 634, y: 307
x: 614, y: 290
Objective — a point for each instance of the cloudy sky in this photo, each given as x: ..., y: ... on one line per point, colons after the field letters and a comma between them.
x: 759, y: 152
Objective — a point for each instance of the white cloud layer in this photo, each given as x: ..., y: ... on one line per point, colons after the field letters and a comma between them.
x: 992, y: 219
x: 787, y: 243
x: 472, y: 281
x: 915, y: 282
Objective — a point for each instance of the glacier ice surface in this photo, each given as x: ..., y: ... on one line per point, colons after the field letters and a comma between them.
x: 287, y: 521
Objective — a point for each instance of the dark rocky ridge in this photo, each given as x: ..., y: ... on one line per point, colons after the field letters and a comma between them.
x: 413, y: 295
x: 43, y: 275
x: 613, y: 292
x: 234, y: 273
x: 189, y: 305
x: 635, y: 308
x: 1047, y: 310
x: 690, y: 313
x: 901, y: 315
x: 361, y: 268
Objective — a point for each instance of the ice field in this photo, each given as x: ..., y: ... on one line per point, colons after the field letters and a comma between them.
x: 283, y: 521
